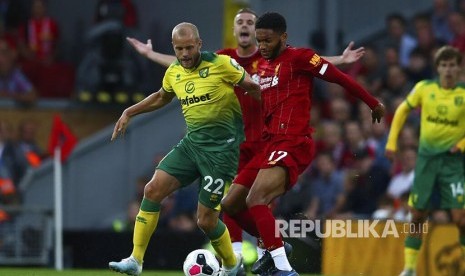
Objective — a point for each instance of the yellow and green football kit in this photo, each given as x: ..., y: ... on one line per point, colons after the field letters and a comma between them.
x: 210, y: 149
x: 442, y: 128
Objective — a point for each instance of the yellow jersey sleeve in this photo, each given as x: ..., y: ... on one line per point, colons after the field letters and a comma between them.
x: 414, y: 99
x: 233, y: 72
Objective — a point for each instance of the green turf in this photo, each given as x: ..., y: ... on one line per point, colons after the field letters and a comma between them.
x: 75, y: 272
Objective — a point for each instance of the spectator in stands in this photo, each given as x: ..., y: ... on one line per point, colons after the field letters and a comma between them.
x: 402, y: 182
x: 427, y: 41
x: 13, y: 83
x: 340, y: 110
x: 110, y: 72
x: 376, y: 136
x: 8, y: 193
x: 326, y: 189
x: 11, y: 17
x: 293, y: 203
x: 39, y: 35
x: 385, y: 209
x: 418, y: 67
x: 331, y: 140
x: 52, y: 77
x: 441, y: 10
x: 27, y: 143
x: 121, y: 10
x: 457, y: 26
x: 408, y: 137
x: 398, y: 37
x: 391, y: 57
x: 402, y: 211
x: 10, y: 160
x: 396, y: 82
x: 460, y: 4
x: 365, y: 188
x: 354, y: 142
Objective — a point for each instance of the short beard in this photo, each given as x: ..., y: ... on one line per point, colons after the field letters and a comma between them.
x: 276, y: 51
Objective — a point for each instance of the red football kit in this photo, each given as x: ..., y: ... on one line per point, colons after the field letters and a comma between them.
x: 287, y: 84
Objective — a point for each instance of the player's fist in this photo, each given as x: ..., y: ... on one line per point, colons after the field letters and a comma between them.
x: 378, y: 112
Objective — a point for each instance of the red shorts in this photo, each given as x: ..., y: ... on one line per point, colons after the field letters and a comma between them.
x: 292, y: 152
x: 248, y: 150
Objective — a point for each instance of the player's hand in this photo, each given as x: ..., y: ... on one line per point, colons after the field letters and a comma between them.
x: 378, y: 112
x: 140, y: 47
x: 455, y: 149
x: 120, y: 126
x: 351, y: 56
x: 390, y: 154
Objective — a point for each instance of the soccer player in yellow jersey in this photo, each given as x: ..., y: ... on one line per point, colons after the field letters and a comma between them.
x: 204, y: 83
x: 442, y: 142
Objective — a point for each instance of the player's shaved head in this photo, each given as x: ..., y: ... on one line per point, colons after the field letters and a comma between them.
x: 186, y: 44
x: 185, y: 29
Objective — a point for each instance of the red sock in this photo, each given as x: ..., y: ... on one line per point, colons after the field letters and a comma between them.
x: 235, y: 231
x: 265, y: 222
x: 245, y: 220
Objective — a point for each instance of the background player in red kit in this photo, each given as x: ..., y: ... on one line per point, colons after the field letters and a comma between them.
x: 247, y: 55
x: 286, y: 79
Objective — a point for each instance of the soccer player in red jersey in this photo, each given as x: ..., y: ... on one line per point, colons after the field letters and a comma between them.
x: 247, y: 55
x: 286, y: 77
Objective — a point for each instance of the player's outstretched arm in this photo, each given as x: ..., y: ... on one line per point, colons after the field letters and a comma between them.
x: 348, y: 56
x: 153, y: 102
x: 398, y: 121
x: 147, y: 51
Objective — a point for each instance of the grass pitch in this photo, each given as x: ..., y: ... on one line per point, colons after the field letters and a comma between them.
x: 83, y: 272
x: 76, y: 272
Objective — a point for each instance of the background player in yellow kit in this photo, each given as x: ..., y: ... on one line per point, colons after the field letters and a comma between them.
x: 440, y: 160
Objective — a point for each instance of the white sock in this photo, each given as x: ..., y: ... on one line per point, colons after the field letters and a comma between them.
x: 237, y: 247
x: 280, y: 259
x: 260, y: 252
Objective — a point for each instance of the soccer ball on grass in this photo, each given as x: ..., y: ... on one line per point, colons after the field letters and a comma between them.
x: 201, y: 262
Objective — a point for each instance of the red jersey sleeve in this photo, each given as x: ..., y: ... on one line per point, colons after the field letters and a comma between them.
x: 311, y: 62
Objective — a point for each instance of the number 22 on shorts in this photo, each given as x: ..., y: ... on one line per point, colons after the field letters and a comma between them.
x: 218, y: 182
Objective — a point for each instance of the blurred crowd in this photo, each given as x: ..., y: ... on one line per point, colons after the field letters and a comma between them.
x: 32, y: 66
x: 19, y: 151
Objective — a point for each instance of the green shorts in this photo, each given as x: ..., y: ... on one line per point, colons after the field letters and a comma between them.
x: 215, y: 169
x: 444, y: 172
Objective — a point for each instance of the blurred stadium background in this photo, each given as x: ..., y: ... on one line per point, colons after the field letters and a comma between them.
x: 102, y: 181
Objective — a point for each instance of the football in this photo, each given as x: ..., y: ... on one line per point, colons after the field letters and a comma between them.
x: 201, y: 262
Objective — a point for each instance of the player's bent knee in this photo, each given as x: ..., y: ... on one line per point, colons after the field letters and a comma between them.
x: 228, y: 206
x: 206, y: 225
x: 254, y: 200
x: 418, y: 216
x: 152, y: 193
